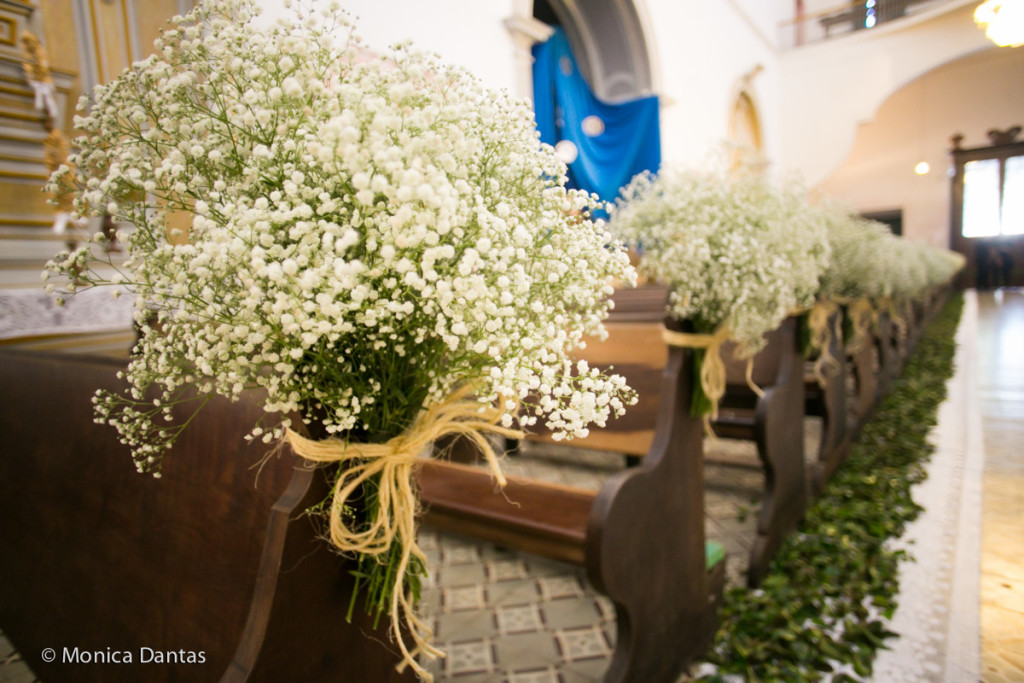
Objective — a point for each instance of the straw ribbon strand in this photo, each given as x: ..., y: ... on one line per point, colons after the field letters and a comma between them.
x: 712, y: 370
x: 862, y: 314
x: 822, y: 335
x: 393, y: 465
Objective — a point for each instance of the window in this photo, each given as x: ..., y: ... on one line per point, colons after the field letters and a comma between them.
x: 993, y: 197
x: 987, y: 213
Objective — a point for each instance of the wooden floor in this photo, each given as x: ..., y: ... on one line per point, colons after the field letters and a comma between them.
x: 1000, y: 366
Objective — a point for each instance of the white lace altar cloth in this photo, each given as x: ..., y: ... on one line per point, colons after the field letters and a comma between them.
x: 33, y: 313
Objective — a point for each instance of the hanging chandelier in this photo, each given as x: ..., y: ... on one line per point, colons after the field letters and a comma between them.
x: 1003, y: 21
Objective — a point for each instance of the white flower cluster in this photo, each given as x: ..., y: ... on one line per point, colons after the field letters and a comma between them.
x: 366, y: 234
x: 736, y: 251
x: 869, y: 261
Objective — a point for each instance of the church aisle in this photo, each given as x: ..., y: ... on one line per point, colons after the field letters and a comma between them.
x: 1001, y: 402
x: 962, y: 612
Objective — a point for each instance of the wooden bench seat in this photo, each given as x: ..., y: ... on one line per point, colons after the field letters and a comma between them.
x: 539, y: 518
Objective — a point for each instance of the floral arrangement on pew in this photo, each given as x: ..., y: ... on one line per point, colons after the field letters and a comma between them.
x: 914, y: 270
x: 855, y: 276
x: 872, y: 270
x: 380, y: 245
x: 738, y: 253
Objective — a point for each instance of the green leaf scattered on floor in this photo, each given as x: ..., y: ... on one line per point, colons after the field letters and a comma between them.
x: 823, y: 610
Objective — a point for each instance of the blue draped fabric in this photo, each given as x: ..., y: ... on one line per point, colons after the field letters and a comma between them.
x: 630, y: 141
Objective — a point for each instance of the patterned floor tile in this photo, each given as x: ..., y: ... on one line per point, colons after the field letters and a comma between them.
x: 461, y: 574
x: 474, y: 656
x: 606, y: 607
x: 506, y: 569
x: 582, y: 643
x: 519, y: 619
x: 456, y: 552
x: 519, y: 651
x: 458, y: 598
x: 427, y: 540
x: 564, y: 586
x: 571, y: 613
x: 465, y: 625
x: 546, y: 675
x: 513, y: 592
x: 585, y: 671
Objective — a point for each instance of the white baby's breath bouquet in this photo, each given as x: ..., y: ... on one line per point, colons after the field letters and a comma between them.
x: 872, y: 269
x: 737, y: 252
x: 941, y: 265
x: 365, y: 238
x: 858, y: 245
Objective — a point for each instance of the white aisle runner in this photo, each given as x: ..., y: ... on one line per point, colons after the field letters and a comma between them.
x: 938, y: 615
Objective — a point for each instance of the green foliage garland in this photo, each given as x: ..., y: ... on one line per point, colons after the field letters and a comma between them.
x: 834, y: 584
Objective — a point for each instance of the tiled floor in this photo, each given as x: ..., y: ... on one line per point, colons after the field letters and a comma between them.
x: 502, y: 616
x: 505, y: 616
x: 12, y: 668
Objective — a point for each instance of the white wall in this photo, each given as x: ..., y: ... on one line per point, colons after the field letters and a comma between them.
x: 699, y: 52
x: 968, y: 96
x: 811, y: 100
x: 704, y: 49
x: 468, y: 33
x: 828, y: 89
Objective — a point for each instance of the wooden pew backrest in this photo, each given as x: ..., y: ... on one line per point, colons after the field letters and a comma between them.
x: 97, y: 556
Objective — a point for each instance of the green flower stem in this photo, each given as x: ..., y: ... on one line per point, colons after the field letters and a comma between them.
x: 700, y: 404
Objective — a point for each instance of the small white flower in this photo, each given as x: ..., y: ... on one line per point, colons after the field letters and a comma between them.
x: 398, y: 212
x: 291, y: 87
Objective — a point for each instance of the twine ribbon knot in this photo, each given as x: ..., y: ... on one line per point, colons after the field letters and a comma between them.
x: 822, y: 335
x: 392, y: 464
x: 862, y: 315
x: 712, y: 370
x: 713, y: 376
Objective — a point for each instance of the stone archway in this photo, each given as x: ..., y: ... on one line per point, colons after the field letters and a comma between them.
x: 607, y: 37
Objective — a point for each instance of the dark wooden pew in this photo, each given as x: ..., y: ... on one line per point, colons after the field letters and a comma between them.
x: 641, y: 537
x: 775, y: 423
x: 213, y: 558
x: 889, y: 353
x: 863, y: 365
x: 828, y: 400
x: 874, y: 365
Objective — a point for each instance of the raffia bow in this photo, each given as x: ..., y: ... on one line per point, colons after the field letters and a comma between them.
x: 393, y: 464
x: 712, y: 370
x: 862, y: 315
x: 822, y: 335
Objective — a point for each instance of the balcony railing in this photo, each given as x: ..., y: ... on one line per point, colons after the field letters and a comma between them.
x: 847, y: 18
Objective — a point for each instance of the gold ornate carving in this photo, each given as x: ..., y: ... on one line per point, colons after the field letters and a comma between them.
x: 8, y: 29
x: 35, y: 65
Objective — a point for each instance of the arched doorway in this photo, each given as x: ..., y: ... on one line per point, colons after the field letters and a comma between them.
x: 608, y: 42
x: 590, y: 82
x: 607, y: 37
